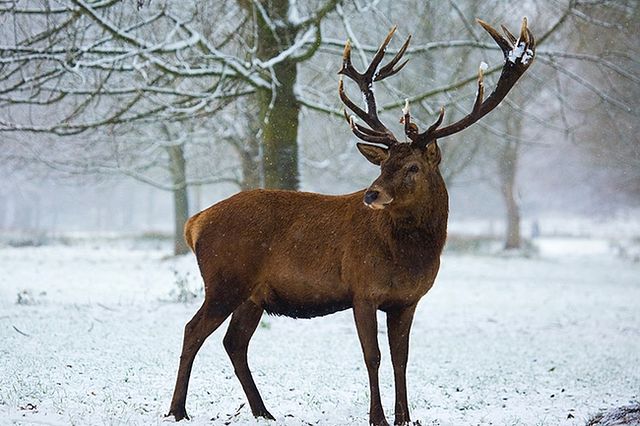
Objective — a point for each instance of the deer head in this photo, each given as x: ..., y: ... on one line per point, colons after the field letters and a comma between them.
x: 409, y: 170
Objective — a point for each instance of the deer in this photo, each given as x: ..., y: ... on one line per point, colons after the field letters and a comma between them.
x: 304, y: 255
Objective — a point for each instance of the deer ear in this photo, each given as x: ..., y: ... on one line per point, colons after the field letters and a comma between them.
x: 432, y: 151
x: 374, y: 154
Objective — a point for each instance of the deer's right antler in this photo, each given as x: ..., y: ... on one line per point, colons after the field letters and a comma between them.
x: 378, y: 132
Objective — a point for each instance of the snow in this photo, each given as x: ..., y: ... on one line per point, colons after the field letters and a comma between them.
x: 294, y: 13
x: 405, y: 109
x: 526, y: 57
x: 498, y: 340
x: 285, y: 54
x: 516, y: 52
x: 520, y: 51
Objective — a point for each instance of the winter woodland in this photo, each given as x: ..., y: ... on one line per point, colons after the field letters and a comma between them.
x: 119, y: 119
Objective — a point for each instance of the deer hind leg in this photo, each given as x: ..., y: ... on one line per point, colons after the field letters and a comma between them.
x: 243, y: 324
x: 204, y: 322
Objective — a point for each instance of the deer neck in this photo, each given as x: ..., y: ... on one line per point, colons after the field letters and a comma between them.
x: 419, y: 231
x: 422, y: 221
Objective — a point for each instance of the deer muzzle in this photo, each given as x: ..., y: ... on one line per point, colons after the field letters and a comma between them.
x: 376, y: 198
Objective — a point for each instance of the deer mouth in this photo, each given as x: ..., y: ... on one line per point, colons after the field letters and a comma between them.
x: 378, y: 205
x: 376, y: 198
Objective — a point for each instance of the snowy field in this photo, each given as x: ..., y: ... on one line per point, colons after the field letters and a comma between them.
x: 505, y: 340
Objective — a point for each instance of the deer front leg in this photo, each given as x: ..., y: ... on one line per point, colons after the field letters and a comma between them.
x: 366, y: 324
x: 398, y: 328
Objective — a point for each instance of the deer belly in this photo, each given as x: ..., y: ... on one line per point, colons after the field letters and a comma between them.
x: 301, y: 299
x: 304, y: 309
x: 301, y: 286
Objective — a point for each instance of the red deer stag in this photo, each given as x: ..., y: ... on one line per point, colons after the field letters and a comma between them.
x: 305, y: 255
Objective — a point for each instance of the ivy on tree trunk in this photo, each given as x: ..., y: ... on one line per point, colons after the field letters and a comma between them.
x: 279, y: 120
x: 278, y: 107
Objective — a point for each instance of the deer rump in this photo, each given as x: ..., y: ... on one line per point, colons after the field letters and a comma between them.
x: 298, y: 254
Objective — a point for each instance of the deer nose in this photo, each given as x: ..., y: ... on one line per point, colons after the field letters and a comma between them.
x: 370, y: 196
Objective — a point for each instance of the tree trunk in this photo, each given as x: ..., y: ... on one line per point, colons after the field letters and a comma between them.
x: 512, y: 240
x: 180, y: 197
x: 279, y: 118
x: 507, y: 170
x: 250, y: 157
x: 278, y: 108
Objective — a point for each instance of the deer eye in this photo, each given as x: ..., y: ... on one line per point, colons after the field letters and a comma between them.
x: 413, y: 168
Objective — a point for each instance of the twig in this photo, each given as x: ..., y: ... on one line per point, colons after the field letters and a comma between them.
x: 106, y: 307
x: 21, y: 332
x: 238, y: 410
x: 237, y: 413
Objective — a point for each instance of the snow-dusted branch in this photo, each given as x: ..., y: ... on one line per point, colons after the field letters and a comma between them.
x: 314, y: 18
x: 230, y: 65
x: 287, y: 53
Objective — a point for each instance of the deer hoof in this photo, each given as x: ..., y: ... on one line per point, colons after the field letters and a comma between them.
x: 403, y: 421
x: 177, y: 415
x: 264, y: 414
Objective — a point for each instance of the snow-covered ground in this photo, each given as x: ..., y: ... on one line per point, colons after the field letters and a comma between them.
x: 503, y: 340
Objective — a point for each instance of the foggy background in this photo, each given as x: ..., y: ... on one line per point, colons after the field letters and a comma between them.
x: 89, y: 117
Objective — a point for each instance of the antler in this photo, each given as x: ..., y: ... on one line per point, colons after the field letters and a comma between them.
x: 378, y: 132
x: 518, y: 55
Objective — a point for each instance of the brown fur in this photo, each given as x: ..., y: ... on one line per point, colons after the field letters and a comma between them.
x: 304, y: 255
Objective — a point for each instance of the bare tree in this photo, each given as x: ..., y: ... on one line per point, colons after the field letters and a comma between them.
x: 95, y: 69
x: 113, y: 74
x: 507, y: 170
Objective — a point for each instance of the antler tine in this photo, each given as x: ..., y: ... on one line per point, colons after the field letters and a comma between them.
x: 350, y: 104
x: 377, y: 58
x: 378, y: 129
x: 347, y: 67
x: 366, y: 134
x: 438, y: 121
x: 410, y: 129
x: 388, y: 70
x: 504, y: 44
x: 378, y: 133
x: 480, y: 95
x: 532, y: 40
x: 351, y: 120
x: 524, y: 30
x: 510, y: 36
x: 518, y: 54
